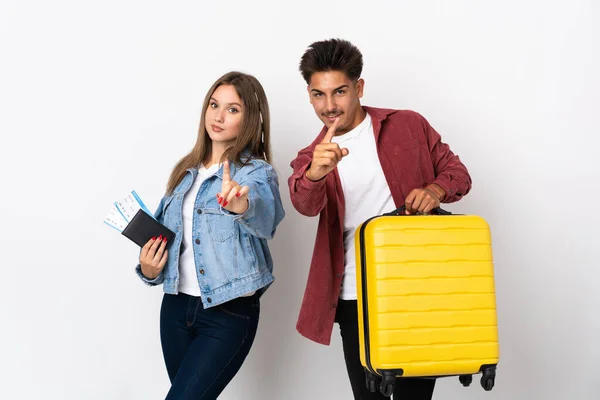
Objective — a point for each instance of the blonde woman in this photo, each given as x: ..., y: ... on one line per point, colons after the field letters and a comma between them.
x: 223, y: 203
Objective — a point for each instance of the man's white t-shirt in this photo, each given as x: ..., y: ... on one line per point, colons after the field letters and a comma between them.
x: 366, y: 192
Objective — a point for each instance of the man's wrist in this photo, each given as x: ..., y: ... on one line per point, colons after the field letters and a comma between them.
x: 437, y: 190
x: 309, y: 177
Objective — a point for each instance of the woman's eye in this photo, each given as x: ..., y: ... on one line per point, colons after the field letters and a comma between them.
x: 233, y: 110
x: 213, y: 105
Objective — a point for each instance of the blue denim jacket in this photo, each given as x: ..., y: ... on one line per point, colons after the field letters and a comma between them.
x: 230, y: 250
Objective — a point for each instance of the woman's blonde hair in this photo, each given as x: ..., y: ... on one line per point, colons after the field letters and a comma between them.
x: 254, y: 135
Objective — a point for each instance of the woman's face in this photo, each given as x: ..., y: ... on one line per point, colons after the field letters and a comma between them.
x: 224, y: 115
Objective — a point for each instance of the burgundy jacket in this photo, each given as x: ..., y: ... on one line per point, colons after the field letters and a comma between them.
x: 412, y: 155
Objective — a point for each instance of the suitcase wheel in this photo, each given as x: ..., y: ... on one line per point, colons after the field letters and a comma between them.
x: 466, y: 380
x: 488, y: 379
x: 388, y: 383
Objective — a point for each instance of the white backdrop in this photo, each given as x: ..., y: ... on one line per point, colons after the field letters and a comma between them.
x: 99, y: 98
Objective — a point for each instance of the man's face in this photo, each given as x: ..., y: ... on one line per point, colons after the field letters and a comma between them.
x: 332, y: 94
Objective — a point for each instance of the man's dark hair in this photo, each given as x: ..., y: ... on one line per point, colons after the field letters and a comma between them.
x: 331, y: 55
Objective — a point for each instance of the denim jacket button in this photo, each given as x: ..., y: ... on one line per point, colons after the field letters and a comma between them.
x: 202, y: 272
x: 197, y: 241
x: 199, y: 211
x: 209, y: 299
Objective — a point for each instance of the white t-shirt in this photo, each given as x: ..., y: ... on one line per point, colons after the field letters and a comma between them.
x: 188, y: 279
x: 366, y: 192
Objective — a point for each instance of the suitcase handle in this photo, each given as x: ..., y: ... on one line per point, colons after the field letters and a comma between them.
x: 401, y: 211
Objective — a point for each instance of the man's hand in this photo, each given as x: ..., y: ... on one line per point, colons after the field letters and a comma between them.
x: 233, y: 197
x: 424, y: 200
x: 326, y: 156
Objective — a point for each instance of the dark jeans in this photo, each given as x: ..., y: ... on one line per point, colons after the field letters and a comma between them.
x: 406, y: 388
x: 204, y: 349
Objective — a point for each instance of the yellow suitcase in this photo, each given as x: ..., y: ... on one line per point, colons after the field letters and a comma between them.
x: 426, y: 298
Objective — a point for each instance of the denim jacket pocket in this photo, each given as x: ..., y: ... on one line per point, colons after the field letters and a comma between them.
x: 221, y: 227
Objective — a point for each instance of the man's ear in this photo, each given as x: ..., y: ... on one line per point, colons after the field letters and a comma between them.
x: 360, y: 85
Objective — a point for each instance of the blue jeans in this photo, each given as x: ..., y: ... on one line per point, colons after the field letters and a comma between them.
x: 204, y: 349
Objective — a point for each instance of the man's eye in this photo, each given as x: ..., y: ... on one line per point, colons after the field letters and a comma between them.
x: 341, y: 92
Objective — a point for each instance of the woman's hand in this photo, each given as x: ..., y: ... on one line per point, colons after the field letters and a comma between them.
x: 233, y: 197
x: 153, y: 257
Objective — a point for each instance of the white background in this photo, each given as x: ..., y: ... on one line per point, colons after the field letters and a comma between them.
x: 101, y: 97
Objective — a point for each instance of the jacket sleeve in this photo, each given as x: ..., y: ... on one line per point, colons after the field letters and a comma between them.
x: 450, y: 173
x: 158, y: 214
x: 308, y: 197
x: 265, y: 209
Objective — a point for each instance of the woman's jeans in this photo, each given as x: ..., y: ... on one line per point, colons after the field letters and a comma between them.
x: 204, y: 349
